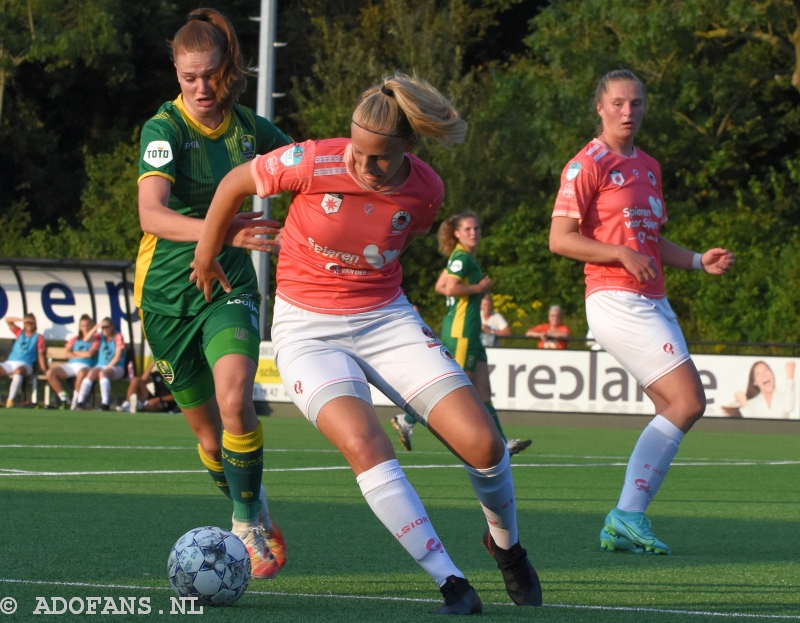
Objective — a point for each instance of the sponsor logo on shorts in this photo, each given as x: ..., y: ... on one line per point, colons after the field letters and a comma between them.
x: 574, y: 169
x: 247, y: 144
x: 165, y: 368
x: 331, y: 202
x: 433, y: 343
x: 292, y: 156
x: 434, y: 545
x: 470, y: 362
x: 244, y: 301
x: 254, y: 321
x: 652, y: 178
x: 653, y: 469
x: 616, y: 177
x: 410, y: 526
x: 241, y: 334
x: 642, y: 484
x: 298, y: 387
x: 157, y: 154
x: 401, y: 220
x: 669, y: 349
x: 427, y: 332
x: 446, y: 354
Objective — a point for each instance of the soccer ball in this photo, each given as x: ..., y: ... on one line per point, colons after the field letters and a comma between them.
x: 211, y: 564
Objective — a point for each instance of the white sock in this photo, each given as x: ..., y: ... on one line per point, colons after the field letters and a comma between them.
x: 86, y: 387
x: 394, y: 501
x: 649, y: 463
x: 105, y: 390
x: 16, y: 383
x: 495, y: 490
x: 74, y: 400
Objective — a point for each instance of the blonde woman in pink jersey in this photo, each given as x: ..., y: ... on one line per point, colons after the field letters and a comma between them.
x: 609, y: 213
x: 341, y: 320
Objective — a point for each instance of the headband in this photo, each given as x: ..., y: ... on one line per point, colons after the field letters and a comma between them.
x: 376, y: 132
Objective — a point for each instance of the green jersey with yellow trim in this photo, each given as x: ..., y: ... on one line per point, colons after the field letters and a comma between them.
x: 194, y: 158
x: 463, y: 317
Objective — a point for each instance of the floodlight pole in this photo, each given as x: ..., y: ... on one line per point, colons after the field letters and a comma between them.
x: 265, y: 108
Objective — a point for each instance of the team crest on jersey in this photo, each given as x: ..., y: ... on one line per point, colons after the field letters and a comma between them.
x: 331, y: 202
x: 165, y: 367
x: 652, y: 178
x: 401, y: 220
x: 247, y: 144
x: 292, y: 156
x: 616, y: 177
x: 573, y: 170
x: 656, y: 206
x: 157, y: 154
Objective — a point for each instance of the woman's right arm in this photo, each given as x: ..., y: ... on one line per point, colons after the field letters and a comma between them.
x: 158, y: 219
x: 567, y: 240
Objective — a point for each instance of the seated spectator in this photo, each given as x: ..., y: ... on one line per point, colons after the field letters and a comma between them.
x: 28, y: 347
x: 110, y: 365
x: 550, y: 332
x: 492, y: 323
x: 81, y: 357
x: 139, y: 397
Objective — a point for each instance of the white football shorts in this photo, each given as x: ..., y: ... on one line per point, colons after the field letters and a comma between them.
x: 117, y: 372
x: 73, y: 368
x: 641, y: 333
x: 324, y: 356
x: 10, y: 366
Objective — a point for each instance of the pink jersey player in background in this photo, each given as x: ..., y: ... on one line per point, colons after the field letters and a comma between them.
x: 609, y: 213
x: 341, y: 320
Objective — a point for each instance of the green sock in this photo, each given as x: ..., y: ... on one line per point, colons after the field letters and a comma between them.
x: 493, y: 413
x: 409, y: 420
x: 243, y: 462
x: 216, y: 471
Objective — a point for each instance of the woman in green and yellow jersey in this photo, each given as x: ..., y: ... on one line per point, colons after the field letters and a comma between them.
x: 463, y: 284
x: 208, y: 354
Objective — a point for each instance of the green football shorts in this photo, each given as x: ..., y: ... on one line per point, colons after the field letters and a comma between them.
x: 467, y: 351
x: 186, y: 349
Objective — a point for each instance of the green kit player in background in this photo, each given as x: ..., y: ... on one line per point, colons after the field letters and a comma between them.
x: 208, y: 354
x: 463, y: 284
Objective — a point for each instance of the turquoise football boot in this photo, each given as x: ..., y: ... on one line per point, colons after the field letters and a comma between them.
x: 634, y: 527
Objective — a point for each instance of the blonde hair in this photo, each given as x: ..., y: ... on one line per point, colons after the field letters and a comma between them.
x: 207, y: 29
x: 404, y: 105
x: 614, y: 77
x: 447, y: 231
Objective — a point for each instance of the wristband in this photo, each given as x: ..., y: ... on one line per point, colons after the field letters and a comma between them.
x: 697, y: 261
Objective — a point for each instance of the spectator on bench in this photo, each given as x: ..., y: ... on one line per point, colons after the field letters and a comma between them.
x: 81, y: 357
x: 28, y: 347
x: 140, y: 398
x: 110, y: 365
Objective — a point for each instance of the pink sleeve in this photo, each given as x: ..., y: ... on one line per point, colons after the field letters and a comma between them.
x: 119, y: 341
x: 96, y: 341
x: 578, y: 188
x: 16, y: 331
x: 40, y: 345
x: 71, y: 342
x: 290, y: 167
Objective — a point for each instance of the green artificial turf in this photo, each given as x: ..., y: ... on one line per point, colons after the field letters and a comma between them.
x: 731, y: 518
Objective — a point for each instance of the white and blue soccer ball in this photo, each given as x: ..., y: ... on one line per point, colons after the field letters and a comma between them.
x: 211, y: 564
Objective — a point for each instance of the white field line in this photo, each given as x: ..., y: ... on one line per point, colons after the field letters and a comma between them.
x: 7, y: 473
x: 415, y: 599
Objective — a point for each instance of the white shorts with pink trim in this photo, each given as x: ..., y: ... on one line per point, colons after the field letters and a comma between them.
x: 641, y: 333
x: 324, y: 356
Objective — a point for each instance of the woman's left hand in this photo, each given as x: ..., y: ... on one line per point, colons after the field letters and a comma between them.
x: 717, y: 261
x: 205, y: 273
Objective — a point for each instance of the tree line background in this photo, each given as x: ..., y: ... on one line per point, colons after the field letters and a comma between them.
x: 78, y: 79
